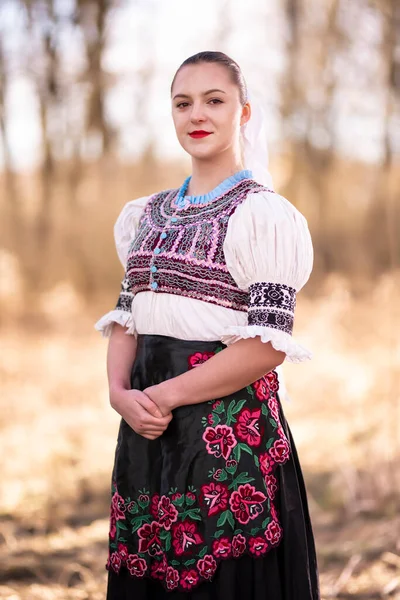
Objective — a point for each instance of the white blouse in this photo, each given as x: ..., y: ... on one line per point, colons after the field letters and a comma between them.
x: 267, y: 240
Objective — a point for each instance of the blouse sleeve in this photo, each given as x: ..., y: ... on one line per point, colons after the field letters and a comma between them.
x: 269, y: 253
x: 125, y: 230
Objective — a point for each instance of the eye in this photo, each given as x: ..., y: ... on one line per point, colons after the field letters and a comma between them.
x: 215, y: 101
x: 182, y: 104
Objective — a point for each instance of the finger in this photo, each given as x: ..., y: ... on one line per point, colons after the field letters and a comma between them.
x: 152, y: 409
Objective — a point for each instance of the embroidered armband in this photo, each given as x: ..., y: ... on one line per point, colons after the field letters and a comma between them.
x: 124, y: 302
x: 272, y: 305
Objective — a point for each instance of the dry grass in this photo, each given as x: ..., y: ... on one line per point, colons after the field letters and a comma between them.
x: 58, y: 436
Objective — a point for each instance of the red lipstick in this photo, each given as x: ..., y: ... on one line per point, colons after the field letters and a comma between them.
x: 199, y: 134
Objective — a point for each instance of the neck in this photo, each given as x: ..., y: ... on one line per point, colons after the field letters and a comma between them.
x: 207, y: 174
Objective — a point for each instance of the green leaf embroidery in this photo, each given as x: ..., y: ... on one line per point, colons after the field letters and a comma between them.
x: 163, y: 534
x: 237, y: 452
x: 220, y: 408
x: 190, y: 501
x: 143, y: 505
x: 138, y: 522
x: 273, y: 423
x: 121, y: 525
x: 255, y: 530
x: 222, y: 519
x: 241, y: 478
x: 237, y: 531
x: 179, y: 501
x: 231, y: 470
x: 222, y: 476
x: 231, y: 520
x: 192, y: 513
x: 245, y: 448
x: 187, y: 563
x: 218, y: 533
x: 168, y: 542
x: 229, y: 416
x: 216, y: 420
x: 203, y: 552
x: 265, y: 522
x: 175, y: 563
x: 250, y: 390
x: 269, y: 443
x: 257, y: 462
x: 239, y: 406
x: 264, y: 410
x: 134, y: 509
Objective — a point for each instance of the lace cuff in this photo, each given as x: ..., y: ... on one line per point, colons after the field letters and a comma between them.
x: 122, y: 317
x: 279, y: 340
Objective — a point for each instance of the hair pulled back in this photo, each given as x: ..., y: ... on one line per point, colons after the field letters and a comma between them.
x: 219, y: 58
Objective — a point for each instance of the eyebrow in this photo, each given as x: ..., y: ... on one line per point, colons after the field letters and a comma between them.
x: 204, y: 94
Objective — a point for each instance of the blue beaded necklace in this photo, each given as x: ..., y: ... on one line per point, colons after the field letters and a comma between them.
x: 182, y: 200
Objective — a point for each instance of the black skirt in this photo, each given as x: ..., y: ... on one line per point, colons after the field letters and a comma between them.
x: 216, y: 507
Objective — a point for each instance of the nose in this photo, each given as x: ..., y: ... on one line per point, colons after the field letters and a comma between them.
x: 197, y: 113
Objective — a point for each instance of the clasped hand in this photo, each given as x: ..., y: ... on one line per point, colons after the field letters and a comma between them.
x: 141, y: 413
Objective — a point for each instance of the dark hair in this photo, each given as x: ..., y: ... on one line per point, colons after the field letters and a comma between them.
x: 224, y: 60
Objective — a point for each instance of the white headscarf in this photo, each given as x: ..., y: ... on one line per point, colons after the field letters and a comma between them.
x: 255, y: 147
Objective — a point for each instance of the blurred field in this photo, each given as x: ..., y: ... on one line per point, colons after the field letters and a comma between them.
x: 58, y: 438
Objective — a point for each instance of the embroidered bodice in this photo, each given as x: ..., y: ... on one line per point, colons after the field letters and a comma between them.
x: 180, y: 251
x: 223, y: 266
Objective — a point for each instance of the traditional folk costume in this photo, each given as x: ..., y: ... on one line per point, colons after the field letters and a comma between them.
x: 216, y: 506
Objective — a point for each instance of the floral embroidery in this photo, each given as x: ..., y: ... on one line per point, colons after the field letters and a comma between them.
x: 189, y: 579
x: 222, y: 548
x: 136, y: 566
x: 220, y: 440
x: 167, y: 513
x: 179, y: 537
x: 248, y: 427
x: 215, y: 497
x: 199, y: 358
x: 273, y: 532
x: 184, y: 536
x: 272, y: 305
x: 238, y: 545
x: 246, y: 503
x: 207, y: 566
x: 258, y: 546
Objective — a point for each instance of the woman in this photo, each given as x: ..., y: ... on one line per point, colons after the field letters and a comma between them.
x: 208, y: 499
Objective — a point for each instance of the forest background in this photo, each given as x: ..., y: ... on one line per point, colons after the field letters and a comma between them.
x: 85, y: 127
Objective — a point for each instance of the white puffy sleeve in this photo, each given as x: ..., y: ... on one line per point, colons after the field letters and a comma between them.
x: 125, y: 230
x: 269, y: 253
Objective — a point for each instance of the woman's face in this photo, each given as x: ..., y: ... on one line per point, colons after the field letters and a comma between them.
x: 204, y: 99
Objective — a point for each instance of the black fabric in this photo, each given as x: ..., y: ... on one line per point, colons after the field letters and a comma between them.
x: 181, y: 466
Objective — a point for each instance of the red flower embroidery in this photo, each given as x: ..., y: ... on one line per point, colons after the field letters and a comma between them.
x: 274, y: 513
x: 272, y: 486
x: 217, y: 474
x: 280, y: 451
x: 207, y: 566
x: 238, y: 545
x: 131, y: 506
x: 199, y: 358
x: 149, y: 535
x: 184, y: 536
x: 118, y: 507
x: 154, y: 505
x: 172, y: 578
x: 273, y: 381
x: 220, y: 440
x: 123, y: 552
x: 136, y: 566
x: 158, y: 569
x: 258, y: 546
x: 262, y: 389
x: 222, y: 547
x: 231, y: 463
x: 266, y: 463
x: 189, y: 579
x: 273, y: 532
x: 216, y: 404
x: 175, y: 496
x: 115, y: 562
x: 274, y: 408
x: 113, y: 526
x: 167, y: 513
x: 215, y: 497
x: 190, y: 495
x: 246, y: 503
x: 247, y: 427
